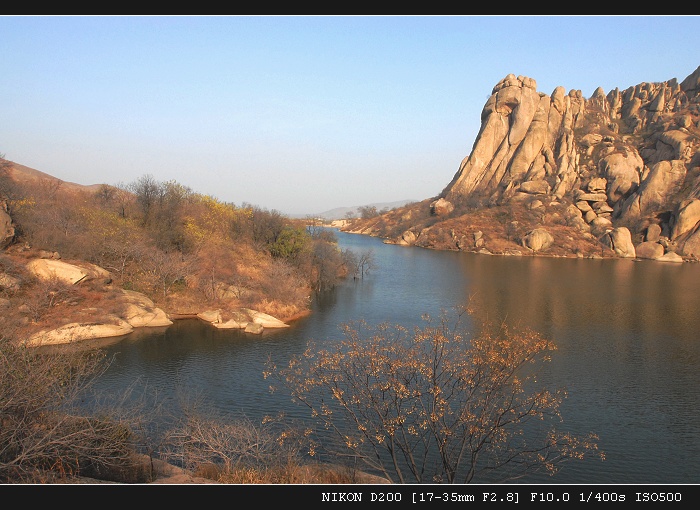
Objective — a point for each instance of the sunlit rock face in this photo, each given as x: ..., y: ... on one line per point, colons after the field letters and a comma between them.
x: 629, y: 157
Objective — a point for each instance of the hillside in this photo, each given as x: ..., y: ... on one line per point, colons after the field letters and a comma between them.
x: 614, y: 175
x: 30, y: 176
x: 80, y: 262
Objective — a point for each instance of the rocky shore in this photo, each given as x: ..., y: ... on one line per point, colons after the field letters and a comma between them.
x: 119, y: 312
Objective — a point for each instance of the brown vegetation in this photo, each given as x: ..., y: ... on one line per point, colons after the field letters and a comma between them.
x: 186, y: 251
x: 43, y: 434
x: 436, y: 404
x: 501, y: 227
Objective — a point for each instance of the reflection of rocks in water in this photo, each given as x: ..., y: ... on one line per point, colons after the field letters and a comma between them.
x: 591, y: 295
x: 136, y: 335
x: 139, y: 334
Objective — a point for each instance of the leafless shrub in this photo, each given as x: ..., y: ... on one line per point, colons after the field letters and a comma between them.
x: 436, y: 404
x: 222, y: 447
x: 46, y: 294
x: 43, y: 429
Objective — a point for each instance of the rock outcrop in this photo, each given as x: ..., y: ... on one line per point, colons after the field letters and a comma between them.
x: 131, y: 309
x: 76, y: 332
x: 629, y: 158
x: 251, y: 321
x: 68, y: 273
x: 7, y: 228
x: 139, y: 310
x: 135, y: 310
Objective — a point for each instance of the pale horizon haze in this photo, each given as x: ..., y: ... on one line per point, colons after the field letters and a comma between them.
x: 298, y: 114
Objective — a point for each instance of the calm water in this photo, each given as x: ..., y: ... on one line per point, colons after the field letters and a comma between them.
x: 628, y: 337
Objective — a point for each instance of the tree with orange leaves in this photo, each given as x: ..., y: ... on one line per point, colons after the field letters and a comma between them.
x: 436, y: 405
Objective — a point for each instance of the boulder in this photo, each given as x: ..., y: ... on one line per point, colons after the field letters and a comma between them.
x: 591, y: 197
x: 538, y: 239
x: 240, y: 319
x: 212, y: 316
x: 670, y: 257
x: 653, y: 232
x: 649, y: 250
x: 139, y: 316
x: 441, y: 207
x: 45, y: 268
x: 49, y: 268
x: 237, y: 320
x: 622, y: 170
x: 254, y: 328
x: 7, y: 229
x: 264, y: 319
x: 140, y: 311
x: 600, y: 225
x: 537, y: 187
x: 408, y: 237
x: 8, y: 282
x: 535, y: 204
x: 597, y: 184
x: 620, y: 240
x: 75, y: 332
x: 230, y: 324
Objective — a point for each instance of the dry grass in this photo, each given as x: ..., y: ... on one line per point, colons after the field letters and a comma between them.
x: 294, y: 474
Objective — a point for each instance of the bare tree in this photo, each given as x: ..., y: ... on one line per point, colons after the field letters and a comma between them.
x: 231, y: 445
x: 435, y: 404
x: 327, y: 265
x: 365, y: 263
x: 45, y: 294
x: 368, y: 211
x: 123, y: 199
x: 146, y: 190
x: 165, y: 269
x: 7, y: 185
x: 43, y: 430
x: 359, y: 264
x: 314, y: 225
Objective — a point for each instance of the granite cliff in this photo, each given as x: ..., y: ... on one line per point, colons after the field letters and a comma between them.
x: 617, y: 174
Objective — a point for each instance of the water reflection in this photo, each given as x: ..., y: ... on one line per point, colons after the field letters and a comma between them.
x: 626, y: 331
x: 621, y: 296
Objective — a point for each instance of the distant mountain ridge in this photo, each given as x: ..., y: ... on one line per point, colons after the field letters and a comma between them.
x: 340, y: 213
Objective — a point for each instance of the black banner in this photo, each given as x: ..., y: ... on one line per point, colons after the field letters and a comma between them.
x: 379, y: 494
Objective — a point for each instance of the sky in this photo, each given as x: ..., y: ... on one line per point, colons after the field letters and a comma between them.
x: 298, y: 114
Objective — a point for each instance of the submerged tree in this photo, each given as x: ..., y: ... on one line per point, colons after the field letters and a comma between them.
x: 435, y: 404
x: 359, y: 264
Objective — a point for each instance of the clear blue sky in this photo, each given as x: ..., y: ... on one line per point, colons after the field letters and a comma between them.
x: 299, y: 114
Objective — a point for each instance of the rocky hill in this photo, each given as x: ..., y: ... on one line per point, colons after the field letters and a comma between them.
x: 617, y: 174
x: 83, y: 262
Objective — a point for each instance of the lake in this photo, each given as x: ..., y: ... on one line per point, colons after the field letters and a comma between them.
x: 627, y: 332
